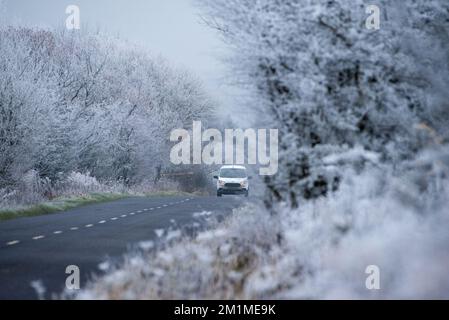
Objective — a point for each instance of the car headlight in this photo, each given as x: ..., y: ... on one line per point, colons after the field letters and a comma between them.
x: 221, y: 183
x: 244, y: 184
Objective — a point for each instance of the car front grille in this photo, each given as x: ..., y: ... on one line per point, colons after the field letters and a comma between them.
x: 232, y: 185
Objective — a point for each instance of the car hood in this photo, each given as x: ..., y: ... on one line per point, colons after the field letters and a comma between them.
x: 233, y: 180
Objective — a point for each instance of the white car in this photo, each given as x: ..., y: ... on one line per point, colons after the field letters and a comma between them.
x: 232, y: 180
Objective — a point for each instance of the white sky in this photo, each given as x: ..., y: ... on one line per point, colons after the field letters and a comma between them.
x: 170, y: 28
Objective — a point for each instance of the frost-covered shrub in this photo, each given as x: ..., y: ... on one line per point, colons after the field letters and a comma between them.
x: 148, y: 186
x: 77, y: 183
x: 371, y: 221
x: 30, y: 181
x: 214, y: 265
x: 7, y: 197
x: 82, y: 182
x: 32, y: 188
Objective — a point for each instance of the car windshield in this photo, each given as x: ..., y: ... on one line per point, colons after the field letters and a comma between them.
x: 233, y: 173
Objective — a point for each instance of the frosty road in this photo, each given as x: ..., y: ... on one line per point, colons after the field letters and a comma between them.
x: 40, y: 248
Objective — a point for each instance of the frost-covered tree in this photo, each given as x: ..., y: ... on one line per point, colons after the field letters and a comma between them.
x: 87, y: 102
x: 329, y: 84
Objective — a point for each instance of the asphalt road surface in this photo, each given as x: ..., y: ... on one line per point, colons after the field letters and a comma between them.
x: 40, y: 248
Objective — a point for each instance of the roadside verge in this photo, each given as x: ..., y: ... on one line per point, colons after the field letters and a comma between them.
x: 66, y: 203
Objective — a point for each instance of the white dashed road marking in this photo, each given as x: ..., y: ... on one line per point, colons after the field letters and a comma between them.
x: 14, y: 242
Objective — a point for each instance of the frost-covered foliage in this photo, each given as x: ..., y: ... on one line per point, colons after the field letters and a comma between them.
x: 375, y: 218
x: 33, y: 189
x: 214, y: 265
x: 87, y: 103
x: 330, y: 84
x: 28, y: 190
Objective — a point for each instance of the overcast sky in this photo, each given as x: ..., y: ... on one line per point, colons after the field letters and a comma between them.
x: 170, y: 28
